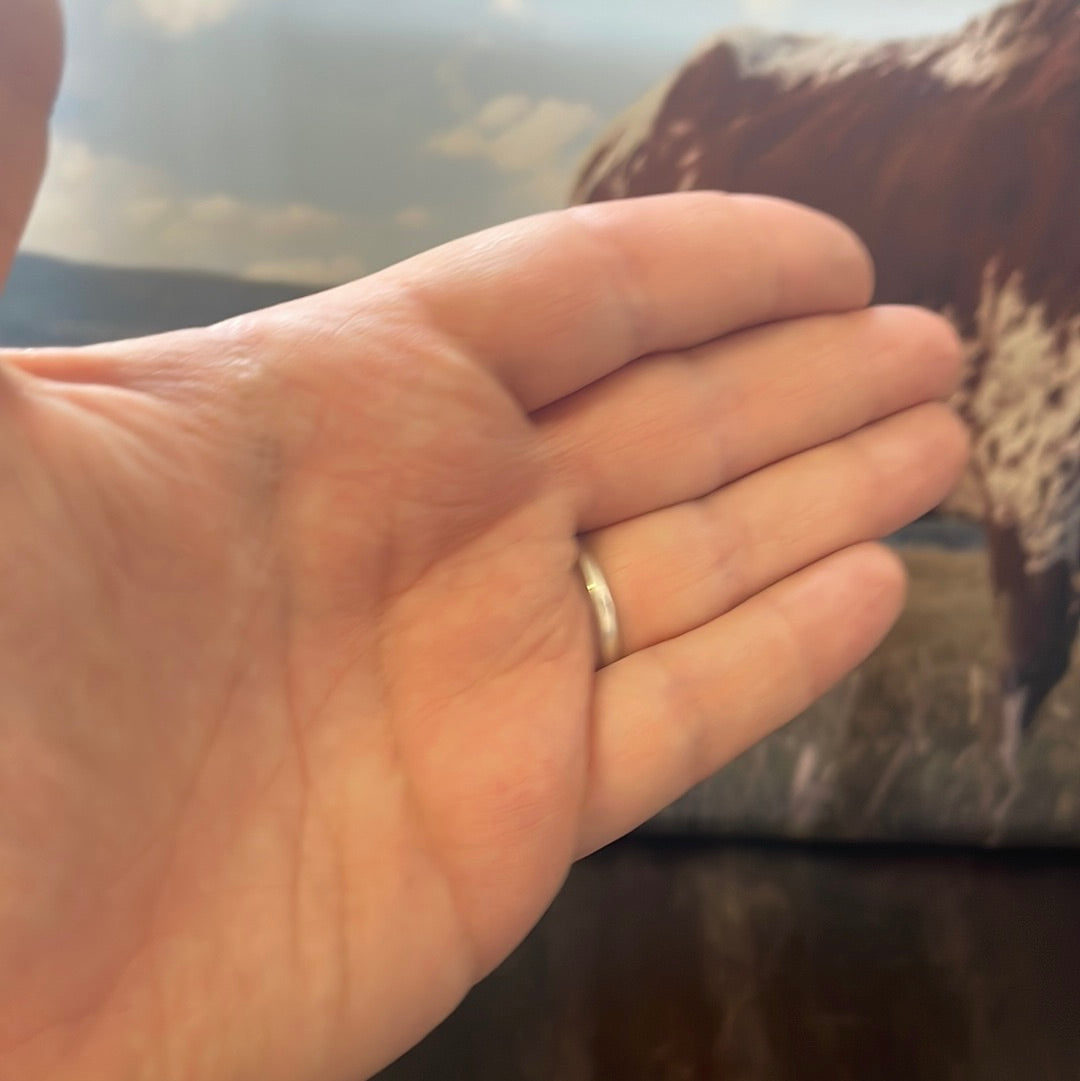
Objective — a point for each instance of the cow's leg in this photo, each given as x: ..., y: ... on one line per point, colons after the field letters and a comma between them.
x: 1040, y: 623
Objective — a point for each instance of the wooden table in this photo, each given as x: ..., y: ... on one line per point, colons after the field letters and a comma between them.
x: 672, y: 962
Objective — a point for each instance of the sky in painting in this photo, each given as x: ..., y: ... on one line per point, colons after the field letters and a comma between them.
x: 317, y: 140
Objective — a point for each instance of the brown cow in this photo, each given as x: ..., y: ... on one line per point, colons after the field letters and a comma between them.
x: 957, y: 159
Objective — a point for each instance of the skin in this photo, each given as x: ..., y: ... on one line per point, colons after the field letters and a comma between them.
x: 301, y: 730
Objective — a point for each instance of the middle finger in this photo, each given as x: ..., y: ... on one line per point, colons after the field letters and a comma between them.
x: 677, y: 426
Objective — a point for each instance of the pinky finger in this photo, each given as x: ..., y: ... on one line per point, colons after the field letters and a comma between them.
x: 668, y: 716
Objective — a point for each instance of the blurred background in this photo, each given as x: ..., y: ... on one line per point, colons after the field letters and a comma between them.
x: 313, y: 141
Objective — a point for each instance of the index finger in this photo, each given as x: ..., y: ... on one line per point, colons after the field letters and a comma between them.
x: 555, y: 302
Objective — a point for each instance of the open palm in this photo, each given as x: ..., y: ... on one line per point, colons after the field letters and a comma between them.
x: 300, y: 720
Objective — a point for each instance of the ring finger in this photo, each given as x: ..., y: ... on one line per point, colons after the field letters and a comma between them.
x: 680, y: 567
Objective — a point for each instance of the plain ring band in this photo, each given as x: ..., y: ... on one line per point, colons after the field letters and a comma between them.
x: 605, y: 618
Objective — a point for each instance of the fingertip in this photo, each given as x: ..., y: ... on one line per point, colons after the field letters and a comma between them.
x: 845, y: 260
x: 840, y: 258
x: 934, y: 340
x: 889, y: 569
x: 866, y: 585
x: 923, y: 453
x: 884, y: 588
x: 947, y: 345
x: 953, y: 438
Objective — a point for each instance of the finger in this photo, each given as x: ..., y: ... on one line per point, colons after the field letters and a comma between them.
x: 554, y: 302
x: 667, y: 717
x: 30, y: 58
x: 674, y: 427
x: 680, y: 567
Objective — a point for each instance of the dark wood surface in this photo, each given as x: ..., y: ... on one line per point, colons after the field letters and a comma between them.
x: 672, y: 962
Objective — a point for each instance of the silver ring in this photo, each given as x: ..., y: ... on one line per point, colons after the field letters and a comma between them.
x: 605, y: 618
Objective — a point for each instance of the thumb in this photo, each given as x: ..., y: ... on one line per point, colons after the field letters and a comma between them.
x: 31, y: 59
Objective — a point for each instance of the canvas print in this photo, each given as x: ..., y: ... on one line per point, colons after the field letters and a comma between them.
x: 215, y: 156
x: 952, y: 157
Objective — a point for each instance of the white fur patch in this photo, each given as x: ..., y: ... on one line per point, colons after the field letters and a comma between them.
x: 983, y: 52
x: 1025, y: 468
x: 793, y: 59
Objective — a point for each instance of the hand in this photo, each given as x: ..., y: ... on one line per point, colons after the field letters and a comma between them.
x: 300, y: 721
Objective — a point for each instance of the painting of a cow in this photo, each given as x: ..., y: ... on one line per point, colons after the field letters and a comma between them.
x: 957, y: 159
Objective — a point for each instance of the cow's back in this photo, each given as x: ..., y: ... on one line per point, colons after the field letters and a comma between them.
x: 957, y: 160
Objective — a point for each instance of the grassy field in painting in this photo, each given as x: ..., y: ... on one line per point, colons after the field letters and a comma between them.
x: 908, y: 748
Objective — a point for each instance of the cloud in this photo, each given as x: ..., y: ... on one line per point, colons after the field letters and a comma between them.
x: 770, y: 13
x: 450, y: 76
x: 177, y: 18
x: 518, y: 134
x: 309, y: 271
x: 536, y: 141
x: 104, y: 208
x: 514, y: 9
x: 413, y: 217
